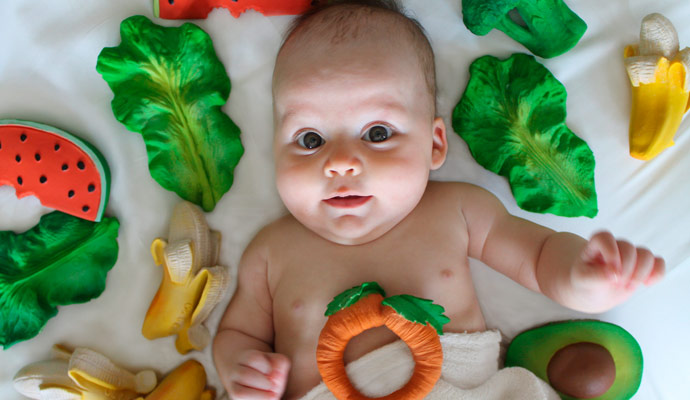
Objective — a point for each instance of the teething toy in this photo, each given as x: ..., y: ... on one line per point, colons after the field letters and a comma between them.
x: 418, y: 322
x: 169, y: 85
x: 186, y: 382
x: 660, y: 79
x: 512, y: 116
x: 196, y: 9
x: 192, y: 285
x: 62, y: 171
x: 547, y: 28
x: 581, y: 359
x: 82, y: 374
x: 62, y: 260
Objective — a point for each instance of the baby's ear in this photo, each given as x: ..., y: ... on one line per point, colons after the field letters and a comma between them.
x: 439, y: 148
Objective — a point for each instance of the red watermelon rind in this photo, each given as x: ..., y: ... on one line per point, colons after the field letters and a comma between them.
x: 90, y: 150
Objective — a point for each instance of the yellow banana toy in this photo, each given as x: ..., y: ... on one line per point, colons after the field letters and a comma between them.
x: 660, y: 78
x: 192, y: 283
x: 81, y: 375
x: 186, y: 382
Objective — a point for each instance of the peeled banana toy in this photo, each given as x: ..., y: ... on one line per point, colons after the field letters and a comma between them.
x: 186, y: 382
x: 81, y: 374
x: 192, y: 283
x: 660, y: 78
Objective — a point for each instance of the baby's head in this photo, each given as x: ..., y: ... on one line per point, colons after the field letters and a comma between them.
x: 356, y: 131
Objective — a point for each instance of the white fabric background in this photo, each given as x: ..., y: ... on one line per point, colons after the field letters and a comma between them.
x: 48, y: 52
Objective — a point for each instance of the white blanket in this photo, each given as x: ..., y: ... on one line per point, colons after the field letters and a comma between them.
x: 470, y: 371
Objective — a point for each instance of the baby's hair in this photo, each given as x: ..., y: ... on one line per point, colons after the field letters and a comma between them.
x: 335, y: 22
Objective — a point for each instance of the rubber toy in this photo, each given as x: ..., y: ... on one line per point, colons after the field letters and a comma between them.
x: 199, y: 9
x: 170, y: 86
x: 512, y: 116
x: 548, y: 28
x: 418, y: 322
x: 186, y: 382
x: 81, y: 374
x: 581, y: 359
x: 192, y: 284
x: 660, y: 79
x: 62, y: 171
x: 62, y: 260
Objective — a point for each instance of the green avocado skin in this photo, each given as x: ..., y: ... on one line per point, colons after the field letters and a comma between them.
x: 534, y: 348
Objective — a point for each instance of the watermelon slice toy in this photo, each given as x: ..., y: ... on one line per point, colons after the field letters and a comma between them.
x: 61, y: 170
x: 199, y: 9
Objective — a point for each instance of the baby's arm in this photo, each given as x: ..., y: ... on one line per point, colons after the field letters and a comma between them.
x: 591, y: 276
x: 242, y: 348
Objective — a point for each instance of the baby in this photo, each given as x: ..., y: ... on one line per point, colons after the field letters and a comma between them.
x: 356, y: 136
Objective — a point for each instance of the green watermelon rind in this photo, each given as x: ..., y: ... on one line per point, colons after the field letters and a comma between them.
x: 90, y: 150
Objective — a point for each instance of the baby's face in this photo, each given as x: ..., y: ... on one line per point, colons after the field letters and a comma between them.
x: 355, y: 136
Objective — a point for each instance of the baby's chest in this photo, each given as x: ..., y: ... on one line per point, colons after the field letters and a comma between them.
x: 428, y: 266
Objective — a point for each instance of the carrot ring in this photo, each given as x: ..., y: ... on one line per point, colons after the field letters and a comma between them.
x: 367, y: 313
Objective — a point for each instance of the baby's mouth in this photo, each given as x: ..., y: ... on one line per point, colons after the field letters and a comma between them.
x: 347, y: 201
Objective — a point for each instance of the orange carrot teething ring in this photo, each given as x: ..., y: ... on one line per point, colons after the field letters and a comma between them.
x: 416, y: 321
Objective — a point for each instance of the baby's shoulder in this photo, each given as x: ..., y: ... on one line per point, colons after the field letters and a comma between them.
x: 276, y: 231
x: 455, y: 191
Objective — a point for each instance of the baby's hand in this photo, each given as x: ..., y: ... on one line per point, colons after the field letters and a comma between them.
x: 612, y: 269
x: 259, y: 376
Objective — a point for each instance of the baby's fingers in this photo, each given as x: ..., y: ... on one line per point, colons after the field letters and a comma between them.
x: 256, y: 360
x: 240, y: 392
x: 252, y: 378
x: 628, y: 254
x: 279, y: 375
x: 643, y: 268
x: 657, y: 273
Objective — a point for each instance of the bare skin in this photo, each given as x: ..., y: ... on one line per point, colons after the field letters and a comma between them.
x: 353, y: 149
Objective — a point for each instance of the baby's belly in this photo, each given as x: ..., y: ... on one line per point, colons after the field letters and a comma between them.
x: 298, y: 340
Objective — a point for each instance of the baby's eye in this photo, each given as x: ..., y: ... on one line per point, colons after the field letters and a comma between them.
x: 310, y: 140
x: 377, y: 133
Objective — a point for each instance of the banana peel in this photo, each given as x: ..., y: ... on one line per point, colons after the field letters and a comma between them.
x: 192, y: 283
x: 186, y: 382
x: 660, y: 79
x: 81, y: 375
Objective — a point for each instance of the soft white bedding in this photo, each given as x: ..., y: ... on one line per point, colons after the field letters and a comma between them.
x: 48, y: 52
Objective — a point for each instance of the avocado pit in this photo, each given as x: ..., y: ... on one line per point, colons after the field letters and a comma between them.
x: 582, y: 370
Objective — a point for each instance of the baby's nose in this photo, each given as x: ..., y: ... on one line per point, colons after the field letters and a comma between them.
x: 342, y: 165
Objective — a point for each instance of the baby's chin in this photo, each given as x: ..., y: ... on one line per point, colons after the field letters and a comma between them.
x: 352, y: 231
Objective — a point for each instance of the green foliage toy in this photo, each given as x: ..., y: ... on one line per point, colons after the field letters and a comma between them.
x: 62, y: 260
x: 169, y: 86
x: 512, y: 116
x: 548, y: 28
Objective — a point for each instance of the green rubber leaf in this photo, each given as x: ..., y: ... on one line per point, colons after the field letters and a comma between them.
x: 62, y: 260
x: 353, y: 295
x: 512, y: 116
x: 421, y: 311
x: 169, y: 86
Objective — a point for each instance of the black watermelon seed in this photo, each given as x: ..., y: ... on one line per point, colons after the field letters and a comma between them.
x: 81, y: 165
x: 42, y: 179
x: 92, y: 187
x: 22, y: 137
x: 64, y: 167
x: 171, y: 2
x: 20, y: 180
x: 57, y: 147
x: 0, y: 145
x: 18, y: 158
x: 70, y: 193
x: 37, y: 157
x: 85, y: 208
